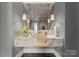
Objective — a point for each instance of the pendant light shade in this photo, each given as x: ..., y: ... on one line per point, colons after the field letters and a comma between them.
x: 52, y: 17
x: 24, y: 17
x: 48, y: 21
x: 28, y: 20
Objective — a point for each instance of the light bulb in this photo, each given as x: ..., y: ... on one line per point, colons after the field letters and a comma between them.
x: 24, y: 17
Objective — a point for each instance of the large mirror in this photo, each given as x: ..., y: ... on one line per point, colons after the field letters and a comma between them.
x: 39, y: 27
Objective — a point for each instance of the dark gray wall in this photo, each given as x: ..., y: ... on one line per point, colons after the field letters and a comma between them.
x: 70, y: 28
x: 0, y: 29
x: 78, y: 29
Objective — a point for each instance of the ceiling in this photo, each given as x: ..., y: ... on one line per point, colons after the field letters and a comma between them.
x: 42, y: 10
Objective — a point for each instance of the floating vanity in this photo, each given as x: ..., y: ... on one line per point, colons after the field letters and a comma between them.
x: 39, y: 41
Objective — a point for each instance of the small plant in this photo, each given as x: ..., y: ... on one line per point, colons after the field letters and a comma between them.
x: 24, y: 30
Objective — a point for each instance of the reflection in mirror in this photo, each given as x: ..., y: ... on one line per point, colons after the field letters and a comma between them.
x: 39, y: 28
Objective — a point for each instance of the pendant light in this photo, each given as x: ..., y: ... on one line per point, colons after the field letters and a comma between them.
x: 52, y: 13
x: 24, y: 16
x: 52, y: 17
x: 48, y: 21
x: 28, y: 20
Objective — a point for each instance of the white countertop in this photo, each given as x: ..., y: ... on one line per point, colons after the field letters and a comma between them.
x: 29, y: 41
